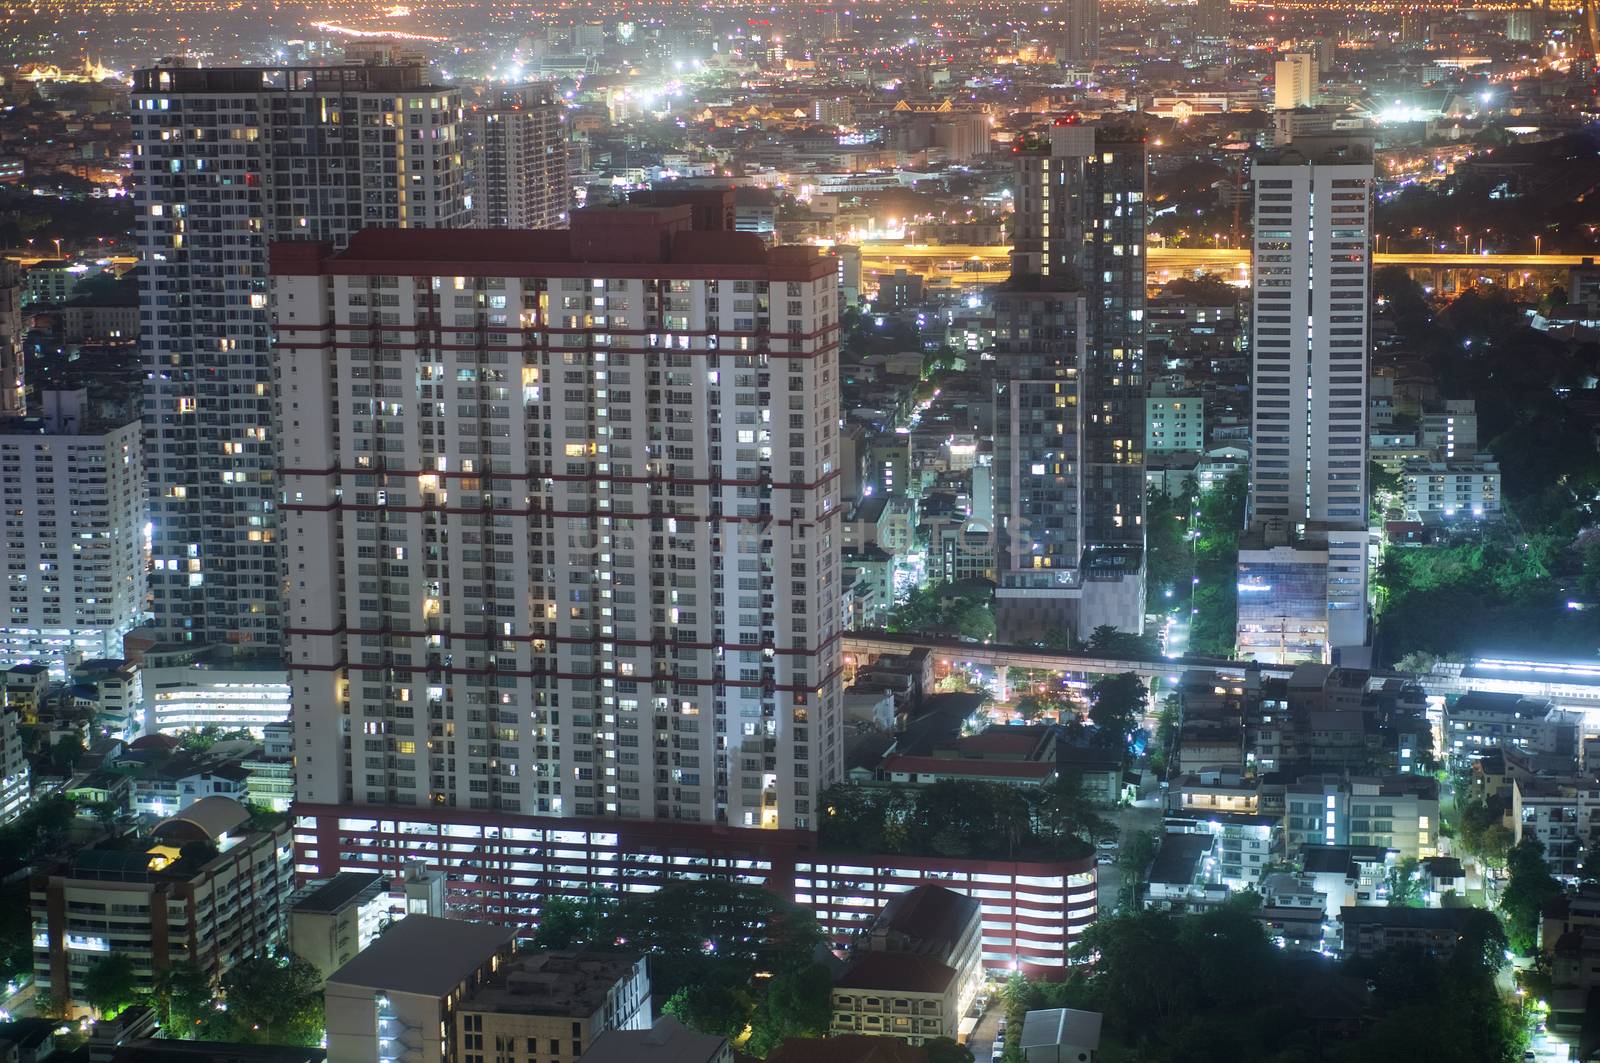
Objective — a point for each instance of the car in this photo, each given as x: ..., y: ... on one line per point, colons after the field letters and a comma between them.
x: 1106, y: 843
x: 999, y: 1052
x: 1105, y: 860
x: 1001, y: 1027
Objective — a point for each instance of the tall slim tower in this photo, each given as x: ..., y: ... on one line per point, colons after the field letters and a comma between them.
x: 517, y: 152
x: 569, y: 546
x: 1079, y: 225
x: 13, y: 394
x: 226, y: 160
x: 1081, y: 41
x: 1311, y: 323
x: 1295, y: 81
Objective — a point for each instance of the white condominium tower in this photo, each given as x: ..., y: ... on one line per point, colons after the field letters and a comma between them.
x: 518, y: 153
x: 561, y: 521
x: 226, y: 160
x: 1311, y: 325
x: 73, y: 495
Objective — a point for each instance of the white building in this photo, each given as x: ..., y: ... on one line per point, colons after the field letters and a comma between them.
x: 1460, y: 488
x: 226, y: 159
x: 14, y: 776
x: 1311, y: 327
x: 593, y: 506
x: 1294, y: 81
x: 188, y: 695
x: 1174, y: 422
x: 73, y: 493
x: 518, y: 153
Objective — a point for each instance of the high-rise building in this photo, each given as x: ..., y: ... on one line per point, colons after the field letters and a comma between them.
x: 563, y: 538
x: 1080, y: 43
x: 1294, y: 81
x: 1311, y: 324
x: 518, y: 161
x: 1213, y: 19
x: 74, y: 503
x: 13, y: 395
x: 1074, y: 312
x: 225, y: 160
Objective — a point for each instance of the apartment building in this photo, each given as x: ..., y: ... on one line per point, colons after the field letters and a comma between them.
x: 72, y: 493
x: 576, y: 548
x: 517, y: 160
x: 165, y: 903
x: 549, y: 1007
x: 226, y: 160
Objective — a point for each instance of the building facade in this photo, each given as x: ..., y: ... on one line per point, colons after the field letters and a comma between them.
x: 567, y: 542
x: 225, y: 160
x: 72, y: 491
x: 13, y: 393
x: 518, y: 161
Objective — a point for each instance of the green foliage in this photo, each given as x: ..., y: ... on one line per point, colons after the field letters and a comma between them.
x: 707, y: 941
x: 66, y: 753
x: 961, y: 819
x: 1215, y: 600
x: 182, y: 997
x: 270, y: 1000
x: 1137, y: 853
x: 946, y: 1050
x: 1211, y: 987
x: 1497, y: 594
x: 1169, y: 555
x: 41, y: 827
x: 1165, y: 742
x: 1529, y: 888
x: 16, y: 931
x: 1404, y: 884
x: 935, y: 609
x: 797, y: 1003
x: 202, y: 739
x: 1116, y: 704
x: 1480, y: 829
x: 110, y: 984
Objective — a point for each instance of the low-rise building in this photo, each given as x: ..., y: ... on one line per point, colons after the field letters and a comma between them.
x: 1245, y: 843
x: 269, y: 772
x: 1293, y: 910
x: 1481, y: 720
x: 1459, y: 488
x: 919, y: 970
x: 1399, y: 812
x: 1370, y: 930
x: 209, y: 885
x: 403, y: 991
x: 553, y: 1004
x: 1184, y: 876
x: 333, y: 920
x: 668, y: 1041
x: 1060, y: 1035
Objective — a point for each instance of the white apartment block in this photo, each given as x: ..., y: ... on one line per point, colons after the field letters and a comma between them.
x: 1463, y: 488
x: 519, y: 162
x: 561, y: 520
x: 226, y: 160
x: 1174, y: 422
x: 1294, y: 81
x: 72, y: 491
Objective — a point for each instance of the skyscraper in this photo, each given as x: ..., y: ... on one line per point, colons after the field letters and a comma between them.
x: 1080, y: 43
x: 1074, y: 310
x: 1294, y: 81
x: 13, y: 395
x: 562, y: 540
x: 1311, y: 323
x: 518, y: 160
x: 74, y: 507
x: 226, y: 160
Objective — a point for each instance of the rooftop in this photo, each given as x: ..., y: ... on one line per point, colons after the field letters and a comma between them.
x: 423, y: 955
x: 668, y: 1041
x: 339, y: 891
x: 1061, y: 1026
x: 850, y: 1048
x: 905, y: 972
x: 930, y: 914
x: 569, y: 983
x: 1178, y: 859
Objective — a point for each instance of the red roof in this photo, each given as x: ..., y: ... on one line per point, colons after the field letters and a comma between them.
x: 971, y: 768
x: 903, y: 972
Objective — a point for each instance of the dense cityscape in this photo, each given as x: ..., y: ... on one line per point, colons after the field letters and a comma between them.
x: 887, y: 533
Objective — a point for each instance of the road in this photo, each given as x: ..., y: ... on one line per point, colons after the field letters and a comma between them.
x: 1141, y: 816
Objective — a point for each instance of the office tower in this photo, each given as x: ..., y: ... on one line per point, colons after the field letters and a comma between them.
x: 518, y: 153
x: 564, y: 540
x: 1308, y: 473
x: 1294, y: 81
x: 13, y: 393
x: 1079, y: 225
x: 73, y: 494
x: 1081, y: 38
x: 225, y: 160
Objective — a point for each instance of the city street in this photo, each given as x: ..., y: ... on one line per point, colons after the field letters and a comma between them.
x: 1142, y: 816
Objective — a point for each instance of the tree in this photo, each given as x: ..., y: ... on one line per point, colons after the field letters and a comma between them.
x: 946, y: 1050
x: 797, y: 1003
x: 1529, y: 888
x: 270, y: 1000
x: 1404, y: 884
x: 1138, y: 852
x: 565, y: 923
x: 66, y: 753
x: 182, y: 995
x: 110, y: 984
x: 1166, y: 736
x: 1116, y: 703
x: 719, y: 1010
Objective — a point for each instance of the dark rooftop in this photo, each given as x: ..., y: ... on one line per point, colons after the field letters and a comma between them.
x: 338, y: 891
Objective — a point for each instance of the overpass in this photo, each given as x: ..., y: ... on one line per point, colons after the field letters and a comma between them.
x: 1574, y: 686
x: 990, y: 263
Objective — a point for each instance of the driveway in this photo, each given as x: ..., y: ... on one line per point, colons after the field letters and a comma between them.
x: 1143, y: 815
